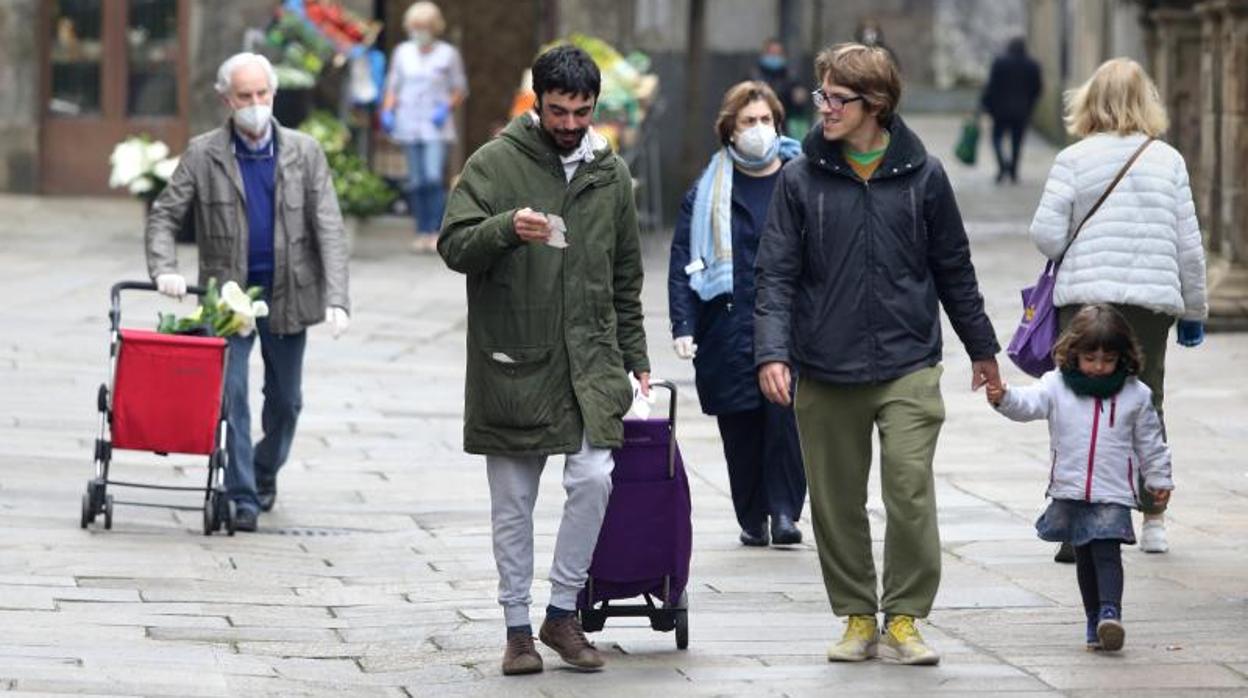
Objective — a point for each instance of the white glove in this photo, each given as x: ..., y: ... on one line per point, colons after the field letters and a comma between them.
x: 338, y: 319
x: 172, y: 285
x: 684, y: 347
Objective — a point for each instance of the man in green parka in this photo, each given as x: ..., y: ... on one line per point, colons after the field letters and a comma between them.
x: 542, y: 223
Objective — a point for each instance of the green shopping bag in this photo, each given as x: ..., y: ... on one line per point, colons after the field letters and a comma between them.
x: 967, y: 147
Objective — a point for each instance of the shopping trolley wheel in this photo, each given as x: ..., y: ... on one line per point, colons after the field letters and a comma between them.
x: 682, y: 629
x: 230, y: 517
x: 108, y: 512
x: 88, y: 514
x: 210, y: 514
x: 681, y: 613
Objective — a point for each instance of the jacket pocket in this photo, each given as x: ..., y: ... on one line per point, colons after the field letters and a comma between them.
x: 515, y: 391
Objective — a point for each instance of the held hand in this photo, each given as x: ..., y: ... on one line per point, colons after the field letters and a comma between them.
x: 1160, y: 497
x: 172, y: 285
x: 644, y: 379
x: 985, y: 372
x: 996, y: 393
x: 531, y: 226
x: 684, y: 347
x: 339, y: 321
x: 774, y: 380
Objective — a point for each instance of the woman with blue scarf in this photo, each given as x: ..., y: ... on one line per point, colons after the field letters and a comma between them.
x: 710, y: 288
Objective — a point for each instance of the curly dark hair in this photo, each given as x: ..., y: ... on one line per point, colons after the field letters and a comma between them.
x: 568, y: 69
x: 1099, y: 326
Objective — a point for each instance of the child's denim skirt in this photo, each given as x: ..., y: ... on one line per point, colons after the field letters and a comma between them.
x: 1079, y: 523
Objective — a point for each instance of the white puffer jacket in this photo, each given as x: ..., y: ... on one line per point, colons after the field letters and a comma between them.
x: 1142, y: 247
x: 1095, y: 441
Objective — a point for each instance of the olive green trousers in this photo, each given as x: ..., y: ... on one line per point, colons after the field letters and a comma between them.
x: 837, y: 424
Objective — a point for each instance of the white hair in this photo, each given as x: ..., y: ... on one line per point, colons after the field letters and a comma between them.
x: 426, y: 13
x: 225, y: 74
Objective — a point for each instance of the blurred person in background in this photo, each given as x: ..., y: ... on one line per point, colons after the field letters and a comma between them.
x: 1014, y: 86
x: 425, y: 84
x: 773, y: 68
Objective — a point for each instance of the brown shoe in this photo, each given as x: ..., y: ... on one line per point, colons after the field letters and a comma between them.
x: 564, y: 635
x: 521, y: 656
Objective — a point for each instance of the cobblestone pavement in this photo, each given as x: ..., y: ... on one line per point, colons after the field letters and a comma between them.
x: 373, y: 576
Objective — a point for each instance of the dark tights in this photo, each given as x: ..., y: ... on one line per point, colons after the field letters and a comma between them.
x: 1099, y: 568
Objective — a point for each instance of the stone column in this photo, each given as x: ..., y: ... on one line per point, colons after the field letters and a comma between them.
x: 1177, y: 72
x: 1207, y: 181
x: 1228, y: 294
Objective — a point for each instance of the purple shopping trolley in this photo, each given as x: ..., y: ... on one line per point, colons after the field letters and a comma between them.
x: 647, y: 535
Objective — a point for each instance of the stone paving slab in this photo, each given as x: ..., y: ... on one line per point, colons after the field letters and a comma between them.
x: 373, y: 576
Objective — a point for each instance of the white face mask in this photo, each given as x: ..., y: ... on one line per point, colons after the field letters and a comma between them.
x: 423, y: 37
x: 755, y: 142
x: 253, y: 119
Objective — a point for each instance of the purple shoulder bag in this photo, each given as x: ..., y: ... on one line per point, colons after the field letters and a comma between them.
x: 1031, y: 348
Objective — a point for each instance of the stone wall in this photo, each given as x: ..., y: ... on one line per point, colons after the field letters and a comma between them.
x: 969, y: 34
x: 19, y: 108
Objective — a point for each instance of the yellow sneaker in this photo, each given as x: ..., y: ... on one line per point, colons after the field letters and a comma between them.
x: 901, y: 641
x: 862, y: 634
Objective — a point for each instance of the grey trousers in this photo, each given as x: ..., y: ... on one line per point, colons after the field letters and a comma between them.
x: 513, y: 492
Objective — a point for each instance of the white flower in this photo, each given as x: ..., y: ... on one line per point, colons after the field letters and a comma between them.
x: 260, y: 308
x: 127, y: 162
x: 234, y: 298
x: 156, y: 151
x: 164, y: 169
x: 142, y: 185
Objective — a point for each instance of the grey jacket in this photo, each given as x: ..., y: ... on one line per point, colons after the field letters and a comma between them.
x: 309, y: 245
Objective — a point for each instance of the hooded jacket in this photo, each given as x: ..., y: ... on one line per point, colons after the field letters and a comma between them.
x: 851, y: 274
x: 552, y: 332
x: 1097, y: 444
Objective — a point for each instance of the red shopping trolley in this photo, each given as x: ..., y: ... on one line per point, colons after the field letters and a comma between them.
x: 164, y: 395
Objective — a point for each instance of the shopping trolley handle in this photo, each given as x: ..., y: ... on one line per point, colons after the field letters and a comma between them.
x: 670, y: 387
x: 114, y: 312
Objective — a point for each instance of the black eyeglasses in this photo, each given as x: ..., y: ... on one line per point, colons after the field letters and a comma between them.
x: 823, y: 100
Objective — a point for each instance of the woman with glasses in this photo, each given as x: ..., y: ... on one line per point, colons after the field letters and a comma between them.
x: 711, y: 301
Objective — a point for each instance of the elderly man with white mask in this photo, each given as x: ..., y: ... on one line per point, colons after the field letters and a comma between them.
x: 266, y: 215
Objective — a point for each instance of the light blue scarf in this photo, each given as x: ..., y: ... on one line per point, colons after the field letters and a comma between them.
x: 710, y: 234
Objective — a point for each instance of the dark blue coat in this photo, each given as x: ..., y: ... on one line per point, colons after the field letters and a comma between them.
x: 723, y: 328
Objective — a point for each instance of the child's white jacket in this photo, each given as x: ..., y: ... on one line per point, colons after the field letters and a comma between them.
x: 1097, y: 443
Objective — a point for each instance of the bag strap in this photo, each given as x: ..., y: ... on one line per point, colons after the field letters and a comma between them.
x: 1117, y: 178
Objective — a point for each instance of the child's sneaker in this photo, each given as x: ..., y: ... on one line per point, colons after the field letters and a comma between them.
x: 901, y: 641
x: 859, y: 641
x: 1153, y: 536
x: 1109, y: 628
x: 1093, y: 640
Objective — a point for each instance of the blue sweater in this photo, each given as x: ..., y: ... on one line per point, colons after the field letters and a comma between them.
x: 258, y: 168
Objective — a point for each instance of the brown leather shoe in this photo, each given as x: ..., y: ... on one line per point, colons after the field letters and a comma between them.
x: 521, y: 655
x: 564, y: 635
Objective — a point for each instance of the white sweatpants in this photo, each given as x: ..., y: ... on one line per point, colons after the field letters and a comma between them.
x: 513, y: 492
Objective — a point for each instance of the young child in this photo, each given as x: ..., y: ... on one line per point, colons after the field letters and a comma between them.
x: 1100, y: 419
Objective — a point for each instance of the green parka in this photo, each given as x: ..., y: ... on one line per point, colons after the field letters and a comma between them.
x: 552, y: 332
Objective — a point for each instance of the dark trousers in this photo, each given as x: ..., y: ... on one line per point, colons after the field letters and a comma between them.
x: 764, y: 463
x: 1099, y: 568
x: 1008, y: 167
x: 248, y: 466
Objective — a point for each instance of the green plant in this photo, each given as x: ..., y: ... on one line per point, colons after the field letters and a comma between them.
x: 361, y: 193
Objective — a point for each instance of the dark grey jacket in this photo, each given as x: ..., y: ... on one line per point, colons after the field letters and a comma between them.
x: 850, y: 273
x: 309, y: 246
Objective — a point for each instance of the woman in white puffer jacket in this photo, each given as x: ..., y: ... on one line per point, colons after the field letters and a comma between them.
x: 1141, y: 251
